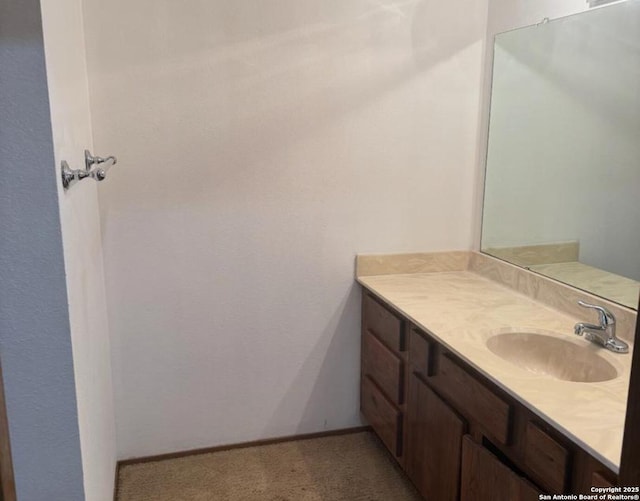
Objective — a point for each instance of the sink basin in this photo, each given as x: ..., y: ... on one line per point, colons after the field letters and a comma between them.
x: 553, y: 357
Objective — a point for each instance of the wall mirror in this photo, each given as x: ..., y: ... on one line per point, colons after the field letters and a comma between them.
x: 562, y: 192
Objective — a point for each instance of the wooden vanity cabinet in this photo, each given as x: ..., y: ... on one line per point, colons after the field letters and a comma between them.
x: 457, y: 434
x: 434, y: 440
x: 383, y: 374
x: 485, y: 477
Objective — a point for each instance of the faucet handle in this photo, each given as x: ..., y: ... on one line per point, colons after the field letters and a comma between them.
x: 605, y: 316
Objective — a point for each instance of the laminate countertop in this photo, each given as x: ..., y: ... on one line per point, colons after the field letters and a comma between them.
x: 462, y: 309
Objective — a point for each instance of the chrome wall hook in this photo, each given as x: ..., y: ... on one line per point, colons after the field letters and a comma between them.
x: 70, y: 177
x: 99, y: 173
x: 90, y: 160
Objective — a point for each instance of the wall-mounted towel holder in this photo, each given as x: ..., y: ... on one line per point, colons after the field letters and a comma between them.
x: 99, y: 172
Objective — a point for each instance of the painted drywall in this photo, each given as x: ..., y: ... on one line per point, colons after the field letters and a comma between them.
x: 35, y: 339
x: 262, y: 145
x: 82, y: 242
x: 569, y: 170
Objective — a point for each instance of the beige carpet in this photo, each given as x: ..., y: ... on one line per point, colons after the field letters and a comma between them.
x: 352, y: 467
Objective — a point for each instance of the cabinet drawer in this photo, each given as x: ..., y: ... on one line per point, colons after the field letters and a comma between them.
x: 547, y: 460
x: 419, y: 349
x: 382, y: 415
x: 473, y: 399
x: 383, y: 366
x: 380, y: 321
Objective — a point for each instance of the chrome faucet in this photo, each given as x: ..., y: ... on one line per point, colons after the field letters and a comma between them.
x: 605, y: 333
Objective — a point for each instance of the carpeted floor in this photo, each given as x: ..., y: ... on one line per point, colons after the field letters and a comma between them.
x: 352, y: 467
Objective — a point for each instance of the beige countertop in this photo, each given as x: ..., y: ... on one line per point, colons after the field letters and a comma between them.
x: 462, y: 310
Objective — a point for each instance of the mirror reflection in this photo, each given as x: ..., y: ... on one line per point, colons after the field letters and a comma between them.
x: 562, y: 193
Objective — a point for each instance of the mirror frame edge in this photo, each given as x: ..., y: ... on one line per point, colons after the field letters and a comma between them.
x: 630, y: 460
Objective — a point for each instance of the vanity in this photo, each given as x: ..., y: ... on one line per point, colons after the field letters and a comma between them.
x: 472, y: 374
x: 480, y: 392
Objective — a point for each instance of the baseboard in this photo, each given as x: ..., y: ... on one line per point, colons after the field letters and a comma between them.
x: 115, y: 481
x: 243, y: 445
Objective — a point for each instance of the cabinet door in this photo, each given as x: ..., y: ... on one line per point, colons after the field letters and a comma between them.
x: 434, y: 440
x: 485, y: 478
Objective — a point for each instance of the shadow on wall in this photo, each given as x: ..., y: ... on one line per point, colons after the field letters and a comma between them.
x: 250, y: 148
x: 35, y: 341
x: 337, y: 347
x: 432, y: 44
x: 248, y: 101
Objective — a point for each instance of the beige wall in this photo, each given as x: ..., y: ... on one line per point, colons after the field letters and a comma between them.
x: 80, y: 221
x: 261, y: 146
